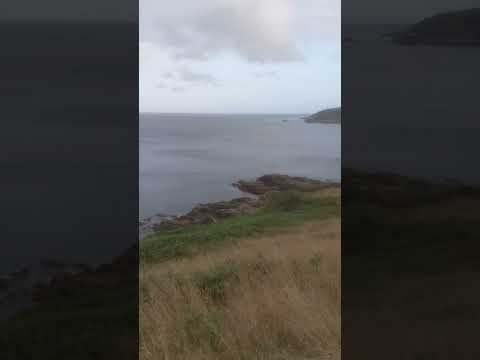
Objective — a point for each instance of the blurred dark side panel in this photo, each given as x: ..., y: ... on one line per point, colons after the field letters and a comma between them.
x: 69, y: 139
x: 410, y: 181
x: 69, y: 189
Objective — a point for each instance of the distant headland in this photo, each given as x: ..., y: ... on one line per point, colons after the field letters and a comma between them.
x: 328, y: 116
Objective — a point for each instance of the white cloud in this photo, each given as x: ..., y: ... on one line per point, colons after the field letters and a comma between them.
x: 252, y: 48
x: 257, y: 30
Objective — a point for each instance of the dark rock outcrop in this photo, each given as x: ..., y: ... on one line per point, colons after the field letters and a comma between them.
x: 211, y: 213
x: 214, y: 212
x: 276, y: 182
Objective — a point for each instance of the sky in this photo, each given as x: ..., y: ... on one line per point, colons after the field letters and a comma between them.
x: 372, y: 11
x: 239, y: 56
x: 280, y: 56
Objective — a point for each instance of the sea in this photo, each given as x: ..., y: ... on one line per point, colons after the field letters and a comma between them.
x: 187, y: 159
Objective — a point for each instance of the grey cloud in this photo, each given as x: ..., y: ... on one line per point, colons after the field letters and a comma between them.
x: 258, y: 30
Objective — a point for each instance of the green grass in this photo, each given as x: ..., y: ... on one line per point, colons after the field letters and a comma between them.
x: 88, y: 321
x: 207, y: 327
x: 281, y: 210
x: 214, y: 283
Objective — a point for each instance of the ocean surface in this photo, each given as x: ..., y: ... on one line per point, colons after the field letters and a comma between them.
x: 188, y: 159
x: 412, y: 110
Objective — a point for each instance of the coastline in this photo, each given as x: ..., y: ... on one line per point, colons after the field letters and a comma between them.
x: 210, y: 212
x: 20, y: 288
x: 218, y: 269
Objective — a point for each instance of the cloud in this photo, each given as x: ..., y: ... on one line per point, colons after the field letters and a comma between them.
x: 197, y: 78
x: 257, y: 30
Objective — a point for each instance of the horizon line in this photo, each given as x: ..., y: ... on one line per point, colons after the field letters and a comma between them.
x: 219, y: 113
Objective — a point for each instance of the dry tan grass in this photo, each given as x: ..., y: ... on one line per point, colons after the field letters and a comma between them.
x: 333, y: 191
x: 278, y: 299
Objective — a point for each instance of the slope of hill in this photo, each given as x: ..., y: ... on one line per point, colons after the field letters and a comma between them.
x: 263, y: 284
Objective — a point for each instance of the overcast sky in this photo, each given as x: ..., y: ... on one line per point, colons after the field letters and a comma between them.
x: 237, y: 55
x: 376, y: 11
x: 247, y: 56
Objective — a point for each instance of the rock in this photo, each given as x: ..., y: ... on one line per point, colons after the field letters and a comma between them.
x: 147, y: 226
x: 275, y: 182
x: 211, y: 213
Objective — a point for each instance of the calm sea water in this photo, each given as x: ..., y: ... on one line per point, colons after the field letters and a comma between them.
x: 187, y: 159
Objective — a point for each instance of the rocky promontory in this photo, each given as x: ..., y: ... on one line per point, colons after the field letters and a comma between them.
x: 216, y: 211
x: 328, y: 116
x: 277, y: 182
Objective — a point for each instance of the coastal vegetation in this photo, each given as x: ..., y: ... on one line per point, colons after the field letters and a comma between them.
x: 261, y: 284
x: 264, y: 283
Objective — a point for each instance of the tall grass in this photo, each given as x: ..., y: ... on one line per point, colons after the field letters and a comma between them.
x: 276, y: 296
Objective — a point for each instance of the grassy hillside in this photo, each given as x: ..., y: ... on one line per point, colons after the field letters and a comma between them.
x: 263, y: 285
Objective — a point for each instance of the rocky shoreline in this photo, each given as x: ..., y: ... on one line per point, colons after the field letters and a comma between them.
x: 213, y: 212
x: 21, y: 289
